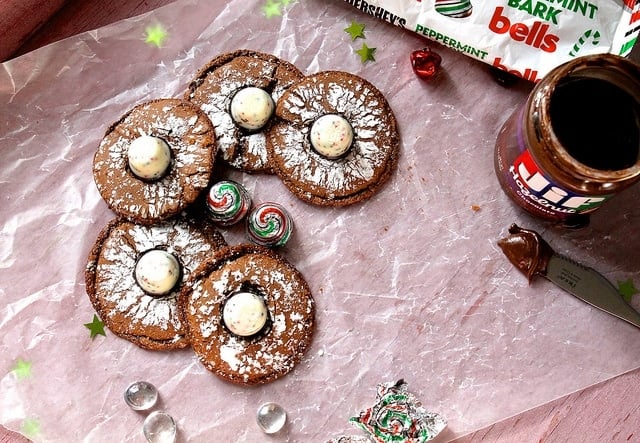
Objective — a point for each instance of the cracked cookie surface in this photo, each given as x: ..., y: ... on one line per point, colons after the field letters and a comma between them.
x: 191, y: 140
x: 151, y: 322
x: 214, y: 88
x: 370, y: 158
x: 273, y: 351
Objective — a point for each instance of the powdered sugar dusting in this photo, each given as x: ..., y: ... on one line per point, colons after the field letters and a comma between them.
x: 229, y: 354
x: 117, y: 293
x: 239, y: 148
x: 374, y: 143
x: 214, y: 97
x: 290, y: 311
x: 190, y: 139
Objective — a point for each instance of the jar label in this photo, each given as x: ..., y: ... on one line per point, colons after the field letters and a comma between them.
x: 533, y: 186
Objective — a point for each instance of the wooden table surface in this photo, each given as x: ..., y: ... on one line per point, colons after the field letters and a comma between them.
x: 607, y: 412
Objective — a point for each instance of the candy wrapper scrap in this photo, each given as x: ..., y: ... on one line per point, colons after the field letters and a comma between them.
x: 525, y: 37
x: 397, y: 416
x: 350, y: 439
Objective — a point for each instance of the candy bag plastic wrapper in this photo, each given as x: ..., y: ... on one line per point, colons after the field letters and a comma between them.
x: 525, y: 37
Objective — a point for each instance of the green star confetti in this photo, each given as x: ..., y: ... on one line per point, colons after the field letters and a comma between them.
x: 366, y: 53
x: 355, y: 30
x: 155, y: 35
x: 31, y: 427
x: 95, y: 327
x: 22, y: 369
x: 627, y: 290
x: 272, y: 9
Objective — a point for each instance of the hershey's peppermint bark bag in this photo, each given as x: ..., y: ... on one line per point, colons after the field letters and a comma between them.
x: 526, y: 37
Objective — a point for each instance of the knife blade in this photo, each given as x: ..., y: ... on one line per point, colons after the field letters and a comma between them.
x: 590, y: 286
x: 533, y: 256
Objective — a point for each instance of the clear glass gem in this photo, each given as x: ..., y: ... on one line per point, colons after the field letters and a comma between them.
x: 271, y: 417
x: 141, y: 396
x: 159, y: 427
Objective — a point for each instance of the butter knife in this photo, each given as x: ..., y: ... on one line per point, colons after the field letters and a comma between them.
x: 533, y: 256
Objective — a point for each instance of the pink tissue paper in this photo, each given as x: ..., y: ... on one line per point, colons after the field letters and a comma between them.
x: 409, y: 284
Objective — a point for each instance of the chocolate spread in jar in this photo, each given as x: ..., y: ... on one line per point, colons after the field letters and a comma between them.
x: 575, y: 142
x: 605, y: 135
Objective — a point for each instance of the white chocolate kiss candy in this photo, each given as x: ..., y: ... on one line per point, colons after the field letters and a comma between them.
x: 149, y: 157
x: 244, y: 314
x: 157, y: 272
x: 251, y: 108
x: 331, y: 136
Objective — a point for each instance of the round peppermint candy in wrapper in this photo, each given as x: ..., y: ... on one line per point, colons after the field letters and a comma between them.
x: 269, y: 224
x: 398, y: 416
x: 227, y: 202
x: 454, y: 8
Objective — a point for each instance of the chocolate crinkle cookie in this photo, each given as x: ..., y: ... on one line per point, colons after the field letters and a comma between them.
x: 135, y: 272
x: 249, y: 314
x: 155, y: 160
x: 238, y: 91
x: 335, y: 140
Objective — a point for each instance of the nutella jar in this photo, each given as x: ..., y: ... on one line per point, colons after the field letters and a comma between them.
x: 575, y: 142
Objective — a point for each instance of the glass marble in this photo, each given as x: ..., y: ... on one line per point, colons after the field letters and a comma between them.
x: 159, y: 427
x: 271, y: 417
x: 141, y: 396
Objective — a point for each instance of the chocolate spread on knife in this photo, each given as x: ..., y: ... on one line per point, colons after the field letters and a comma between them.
x: 527, y: 251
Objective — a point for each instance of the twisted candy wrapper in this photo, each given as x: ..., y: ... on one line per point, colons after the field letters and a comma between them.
x: 397, y: 416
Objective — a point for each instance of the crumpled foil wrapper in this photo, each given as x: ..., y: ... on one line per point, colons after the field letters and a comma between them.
x: 398, y: 416
x: 409, y: 283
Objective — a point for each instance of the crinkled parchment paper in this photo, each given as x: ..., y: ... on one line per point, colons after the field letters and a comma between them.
x: 409, y: 284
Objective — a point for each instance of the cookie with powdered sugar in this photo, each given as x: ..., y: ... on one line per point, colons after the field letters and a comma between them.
x: 135, y: 272
x: 155, y: 160
x: 238, y: 91
x: 335, y: 141
x: 249, y: 314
